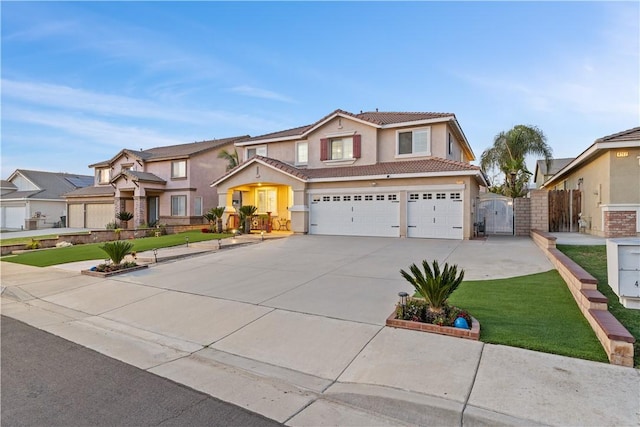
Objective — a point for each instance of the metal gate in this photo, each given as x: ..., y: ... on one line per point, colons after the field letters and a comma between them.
x: 495, y: 212
x: 564, y: 207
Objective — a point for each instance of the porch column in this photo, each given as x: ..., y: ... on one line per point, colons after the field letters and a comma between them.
x: 139, y: 210
x: 300, y: 211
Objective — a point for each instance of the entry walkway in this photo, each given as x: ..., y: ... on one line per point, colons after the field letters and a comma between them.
x: 293, y: 329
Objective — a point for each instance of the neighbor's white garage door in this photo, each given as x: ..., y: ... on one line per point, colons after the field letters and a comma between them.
x: 355, y: 214
x: 76, y: 216
x: 99, y: 215
x: 435, y: 214
x: 13, y: 217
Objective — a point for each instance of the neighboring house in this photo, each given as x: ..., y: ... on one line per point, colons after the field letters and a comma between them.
x: 34, y: 199
x: 168, y: 185
x: 608, y: 176
x: 542, y: 174
x: 367, y: 174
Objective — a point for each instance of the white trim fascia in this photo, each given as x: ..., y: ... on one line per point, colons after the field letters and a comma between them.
x: 17, y: 172
x: 333, y: 116
x: 387, y: 189
x: 246, y: 165
x: 613, y: 207
x: 298, y: 208
x: 588, y: 153
x: 394, y: 176
x: 24, y: 199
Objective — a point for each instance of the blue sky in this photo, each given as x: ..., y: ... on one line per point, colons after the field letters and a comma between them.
x: 82, y: 80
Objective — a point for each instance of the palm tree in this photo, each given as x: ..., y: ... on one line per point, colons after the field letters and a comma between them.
x: 214, y: 215
x: 508, y: 155
x: 246, y: 214
x: 232, y: 158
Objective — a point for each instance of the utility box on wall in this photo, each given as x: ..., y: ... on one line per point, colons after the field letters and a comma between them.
x: 623, y: 270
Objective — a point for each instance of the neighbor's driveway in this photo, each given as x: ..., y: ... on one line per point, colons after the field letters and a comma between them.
x: 293, y: 329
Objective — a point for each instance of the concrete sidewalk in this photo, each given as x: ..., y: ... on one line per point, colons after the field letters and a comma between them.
x: 281, y: 328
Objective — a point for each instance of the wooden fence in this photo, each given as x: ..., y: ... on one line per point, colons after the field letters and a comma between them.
x: 564, y: 207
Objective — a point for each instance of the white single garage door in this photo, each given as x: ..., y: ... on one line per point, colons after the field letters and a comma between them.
x: 13, y: 217
x: 435, y: 214
x: 76, y: 216
x: 99, y: 215
x: 355, y: 214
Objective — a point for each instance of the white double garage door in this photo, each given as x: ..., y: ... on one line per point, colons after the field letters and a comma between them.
x: 429, y: 214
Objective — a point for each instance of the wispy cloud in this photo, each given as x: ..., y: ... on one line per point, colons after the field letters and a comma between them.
x: 255, y: 92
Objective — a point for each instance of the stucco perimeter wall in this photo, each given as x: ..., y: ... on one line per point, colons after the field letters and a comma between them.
x: 614, y: 337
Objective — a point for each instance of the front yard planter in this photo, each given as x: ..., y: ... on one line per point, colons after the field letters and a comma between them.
x: 113, y: 273
x: 471, y: 334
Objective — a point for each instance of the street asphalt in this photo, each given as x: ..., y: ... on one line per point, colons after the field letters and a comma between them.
x: 49, y: 381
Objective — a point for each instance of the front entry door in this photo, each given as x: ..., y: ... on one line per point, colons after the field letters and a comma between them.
x: 153, y: 210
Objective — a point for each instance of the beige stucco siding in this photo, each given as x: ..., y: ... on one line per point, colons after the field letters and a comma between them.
x: 625, y: 176
x: 341, y: 126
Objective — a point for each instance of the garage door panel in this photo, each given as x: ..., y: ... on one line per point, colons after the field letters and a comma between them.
x: 13, y: 217
x: 76, y: 216
x: 435, y: 214
x: 99, y: 215
x: 356, y: 214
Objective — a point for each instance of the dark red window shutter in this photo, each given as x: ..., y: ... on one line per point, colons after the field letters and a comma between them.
x: 324, y: 149
x: 357, y: 146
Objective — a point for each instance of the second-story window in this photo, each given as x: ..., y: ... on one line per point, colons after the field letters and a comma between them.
x: 416, y: 142
x: 302, y: 153
x: 179, y: 169
x: 257, y: 151
x: 104, y: 175
x: 340, y: 148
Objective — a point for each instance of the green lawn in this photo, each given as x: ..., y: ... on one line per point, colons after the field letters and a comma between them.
x: 535, y: 312
x: 594, y: 260
x: 47, y: 257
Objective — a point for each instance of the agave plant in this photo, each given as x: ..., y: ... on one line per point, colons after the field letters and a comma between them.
x: 433, y: 285
x: 117, y: 250
x: 246, y: 212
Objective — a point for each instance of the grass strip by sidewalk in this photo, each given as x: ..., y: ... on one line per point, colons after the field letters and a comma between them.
x: 594, y: 260
x: 26, y: 240
x: 55, y: 256
x: 536, y: 312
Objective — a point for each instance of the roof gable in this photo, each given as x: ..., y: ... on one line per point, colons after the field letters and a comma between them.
x: 50, y: 185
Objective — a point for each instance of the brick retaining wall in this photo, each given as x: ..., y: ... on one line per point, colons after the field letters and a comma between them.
x: 619, y: 223
x: 614, y: 337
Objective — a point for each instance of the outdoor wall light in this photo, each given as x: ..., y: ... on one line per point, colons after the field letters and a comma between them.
x: 155, y: 254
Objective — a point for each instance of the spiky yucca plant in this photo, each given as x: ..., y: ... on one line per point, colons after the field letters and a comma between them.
x: 434, y: 286
x: 117, y: 250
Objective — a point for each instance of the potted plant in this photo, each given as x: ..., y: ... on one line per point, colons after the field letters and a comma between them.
x: 124, y: 218
x: 431, y: 312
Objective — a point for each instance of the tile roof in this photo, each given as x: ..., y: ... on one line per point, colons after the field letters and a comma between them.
x: 143, y: 176
x: 626, y: 135
x: 96, y: 190
x: 52, y: 185
x: 173, y: 151
x: 378, y: 118
x: 424, y: 166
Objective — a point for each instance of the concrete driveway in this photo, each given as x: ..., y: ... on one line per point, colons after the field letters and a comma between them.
x: 293, y: 329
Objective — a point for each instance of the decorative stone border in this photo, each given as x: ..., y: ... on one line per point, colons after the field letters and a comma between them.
x: 470, y: 334
x: 113, y: 273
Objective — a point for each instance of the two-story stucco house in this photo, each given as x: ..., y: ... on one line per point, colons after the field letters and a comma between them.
x: 368, y: 174
x: 607, y: 174
x: 169, y: 185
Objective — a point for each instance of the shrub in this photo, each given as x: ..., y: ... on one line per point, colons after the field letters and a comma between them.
x: 205, y: 230
x: 124, y: 216
x: 434, y: 286
x: 417, y: 310
x: 117, y: 250
x: 111, y: 226
x: 33, y: 244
